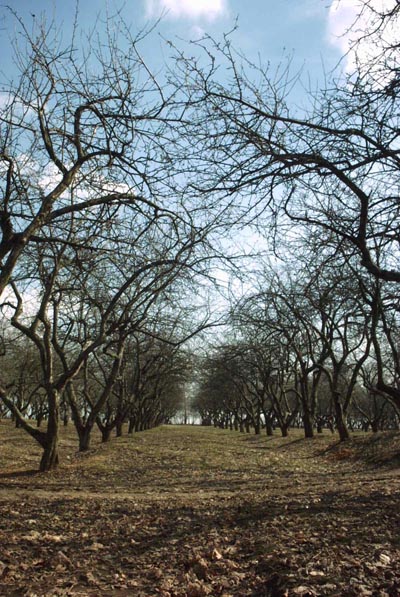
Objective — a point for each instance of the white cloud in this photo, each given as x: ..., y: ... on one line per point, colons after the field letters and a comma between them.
x: 9, y: 101
x: 348, y: 22
x: 186, y: 9
x: 4, y: 100
x: 341, y: 21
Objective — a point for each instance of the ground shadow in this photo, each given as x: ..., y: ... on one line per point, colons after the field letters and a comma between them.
x: 20, y: 474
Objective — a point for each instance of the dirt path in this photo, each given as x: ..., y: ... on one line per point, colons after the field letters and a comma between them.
x: 191, y: 512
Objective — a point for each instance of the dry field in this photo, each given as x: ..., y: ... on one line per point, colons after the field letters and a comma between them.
x: 195, y: 512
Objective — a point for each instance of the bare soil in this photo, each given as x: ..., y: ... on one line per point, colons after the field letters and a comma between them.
x: 183, y: 511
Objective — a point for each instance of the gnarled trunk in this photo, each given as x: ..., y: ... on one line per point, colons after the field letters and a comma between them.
x: 339, y: 418
x: 50, y: 458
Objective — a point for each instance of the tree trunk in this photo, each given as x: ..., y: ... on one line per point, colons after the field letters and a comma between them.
x: 257, y: 421
x: 118, y: 428
x: 375, y: 426
x: 50, y: 459
x: 268, y: 427
x: 284, y: 429
x: 308, y: 424
x: 339, y: 418
x: 84, y: 434
x: 105, y: 434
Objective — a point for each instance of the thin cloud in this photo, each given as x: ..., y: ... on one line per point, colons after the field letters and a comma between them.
x: 209, y: 10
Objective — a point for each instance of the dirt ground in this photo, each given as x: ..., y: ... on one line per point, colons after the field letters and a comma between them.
x: 183, y: 511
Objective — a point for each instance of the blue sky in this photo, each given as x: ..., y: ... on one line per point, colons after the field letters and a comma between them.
x: 308, y: 30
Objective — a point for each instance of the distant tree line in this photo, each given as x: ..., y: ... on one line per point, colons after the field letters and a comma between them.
x: 301, y: 354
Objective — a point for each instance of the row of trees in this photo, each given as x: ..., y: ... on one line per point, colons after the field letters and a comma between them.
x: 96, y: 251
x: 148, y: 389
x: 321, y: 184
x: 116, y: 186
x: 307, y: 348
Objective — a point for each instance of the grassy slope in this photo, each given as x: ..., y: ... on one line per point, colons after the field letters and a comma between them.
x: 190, y: 511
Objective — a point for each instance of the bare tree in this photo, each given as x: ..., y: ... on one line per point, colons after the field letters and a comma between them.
x: 333, y: 167
x: 90, y: 240
x: 22, y: 376
x: 79, y: 136
x: 328, y: 171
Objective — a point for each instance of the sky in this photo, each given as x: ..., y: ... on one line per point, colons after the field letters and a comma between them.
x: 311, y: 32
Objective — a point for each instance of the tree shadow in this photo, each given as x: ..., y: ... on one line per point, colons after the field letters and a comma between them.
x: 20, y: 474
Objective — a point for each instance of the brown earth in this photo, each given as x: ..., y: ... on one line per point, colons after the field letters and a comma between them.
x: 195, y: 512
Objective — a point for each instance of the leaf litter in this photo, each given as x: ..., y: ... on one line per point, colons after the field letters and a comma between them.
x: 195, y: 512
